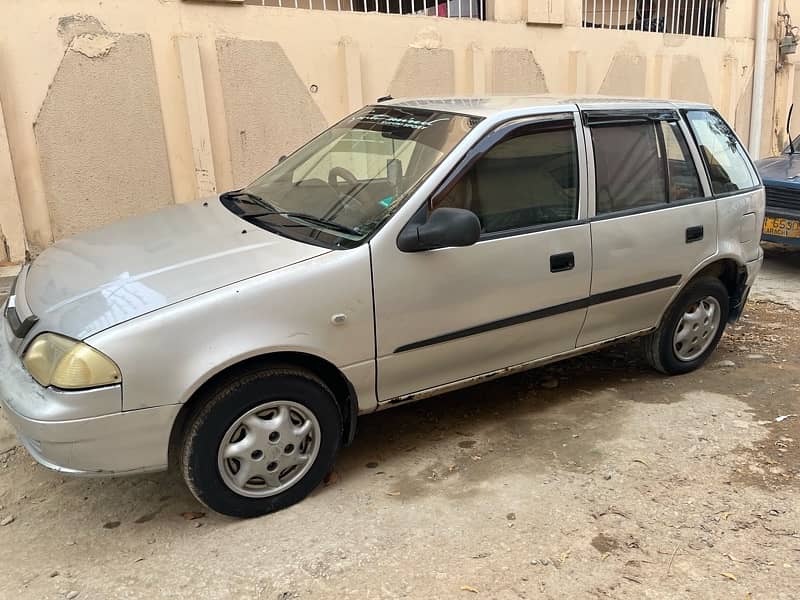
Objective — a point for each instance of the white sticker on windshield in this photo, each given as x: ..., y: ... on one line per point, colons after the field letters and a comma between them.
x: 393, y: 121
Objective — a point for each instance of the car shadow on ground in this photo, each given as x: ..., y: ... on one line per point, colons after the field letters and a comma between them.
x: 782, y: 257
x: 528, y: 414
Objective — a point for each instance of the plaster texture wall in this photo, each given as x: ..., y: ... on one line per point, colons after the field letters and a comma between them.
x: 794, y: 125
x: 741, y: 121
x: 97, y: 130
x: 772, y: 114
x: 515, y: 71
x: 689, y: 80
x: 424, y: 72
x: 268, y: 108
x: 796, y: 89
x: 773, y: 111
x: 100, y: 134
x: 625, y: 76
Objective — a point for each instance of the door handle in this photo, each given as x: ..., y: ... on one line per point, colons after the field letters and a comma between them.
x: 694, y: 234
x: 562, y: 262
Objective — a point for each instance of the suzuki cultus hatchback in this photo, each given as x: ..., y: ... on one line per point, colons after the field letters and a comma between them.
x: 413, y: 248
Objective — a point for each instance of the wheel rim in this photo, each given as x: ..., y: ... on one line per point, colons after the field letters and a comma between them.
x: 269, y: 449
x: 696, y: 329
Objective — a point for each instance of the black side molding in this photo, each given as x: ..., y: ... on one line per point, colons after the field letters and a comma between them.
x: 551, y: 311
x: 634, y: 290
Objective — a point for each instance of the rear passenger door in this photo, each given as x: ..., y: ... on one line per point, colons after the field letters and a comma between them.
x: 652, y: 220
x: 734, y: 183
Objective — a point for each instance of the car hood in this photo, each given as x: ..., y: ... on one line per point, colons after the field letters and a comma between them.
x: 87, y: 283
x: 783, y: 169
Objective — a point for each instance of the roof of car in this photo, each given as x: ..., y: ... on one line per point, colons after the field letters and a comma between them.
x: 492, y: 105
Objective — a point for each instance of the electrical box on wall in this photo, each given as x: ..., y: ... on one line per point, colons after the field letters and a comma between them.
x: 788, y: 45
x: 546, y: 12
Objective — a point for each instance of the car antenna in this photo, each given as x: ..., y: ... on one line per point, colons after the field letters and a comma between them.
x: 788, y: 129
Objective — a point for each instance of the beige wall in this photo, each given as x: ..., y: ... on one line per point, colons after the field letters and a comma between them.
x: 119, y: 107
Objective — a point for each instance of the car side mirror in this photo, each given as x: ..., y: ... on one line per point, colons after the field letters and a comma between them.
x: 445, y: 228
x: 281, y: 158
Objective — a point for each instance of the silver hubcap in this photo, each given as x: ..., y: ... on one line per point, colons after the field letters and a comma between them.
x: 696, y: 329
x: 269, y: 449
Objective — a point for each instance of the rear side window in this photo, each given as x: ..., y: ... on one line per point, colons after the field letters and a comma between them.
x: 629, y: 167
x: 684, y: 184
x: 726, y: 161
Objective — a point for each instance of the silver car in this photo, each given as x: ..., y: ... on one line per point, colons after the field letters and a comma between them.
x: 413, y: 248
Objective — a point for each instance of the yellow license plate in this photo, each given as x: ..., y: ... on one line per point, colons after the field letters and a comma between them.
x: 782, y: 227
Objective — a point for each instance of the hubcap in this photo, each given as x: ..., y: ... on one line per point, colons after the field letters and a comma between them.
x: 696, y: 329
x: 269, y: 449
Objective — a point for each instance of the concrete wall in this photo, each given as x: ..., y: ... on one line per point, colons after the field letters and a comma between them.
x: 119, y: 107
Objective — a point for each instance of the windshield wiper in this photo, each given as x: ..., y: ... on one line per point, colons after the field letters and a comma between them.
x: 306, y: 217
x: 253, y: 199
x: 249, y: 198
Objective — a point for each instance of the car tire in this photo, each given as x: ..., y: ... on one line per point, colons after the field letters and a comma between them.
x: 261, y: 441
x: 690, y: 329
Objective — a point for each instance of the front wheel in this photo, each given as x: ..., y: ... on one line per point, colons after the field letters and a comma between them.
x: 261, y: 441
x: 691, y: 328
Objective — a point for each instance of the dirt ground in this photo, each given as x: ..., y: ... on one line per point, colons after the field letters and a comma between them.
x: 616, y: 483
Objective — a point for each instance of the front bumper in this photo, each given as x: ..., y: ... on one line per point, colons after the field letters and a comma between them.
x: 114, y: 443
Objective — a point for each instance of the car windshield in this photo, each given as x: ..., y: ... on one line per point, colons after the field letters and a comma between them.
x: 341, y: 186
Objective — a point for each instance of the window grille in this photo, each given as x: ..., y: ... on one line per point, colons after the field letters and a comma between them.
x: 683, y: 17
x: 457, y: 9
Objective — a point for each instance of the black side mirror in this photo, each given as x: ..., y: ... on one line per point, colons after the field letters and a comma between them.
x: 446, y: 227
x: 281, y: 158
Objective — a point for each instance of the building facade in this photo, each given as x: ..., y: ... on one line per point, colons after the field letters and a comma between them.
x: 116, y: 108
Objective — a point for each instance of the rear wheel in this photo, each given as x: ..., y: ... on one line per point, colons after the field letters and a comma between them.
x: 691, y: 329
x: 261, y: 441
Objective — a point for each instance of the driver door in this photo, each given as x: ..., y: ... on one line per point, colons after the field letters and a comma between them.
x: 519, y: 294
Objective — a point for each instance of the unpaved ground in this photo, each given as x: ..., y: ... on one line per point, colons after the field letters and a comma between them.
x: 779, y: 280
x: 619, y: 483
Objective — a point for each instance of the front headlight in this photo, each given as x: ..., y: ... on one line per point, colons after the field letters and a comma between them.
x: 68, y: 364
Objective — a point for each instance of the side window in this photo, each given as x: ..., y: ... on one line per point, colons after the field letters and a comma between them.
x: 726, y: 161
x: 629, y: 167
x: 526, y: 180
x: 684, y: 184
